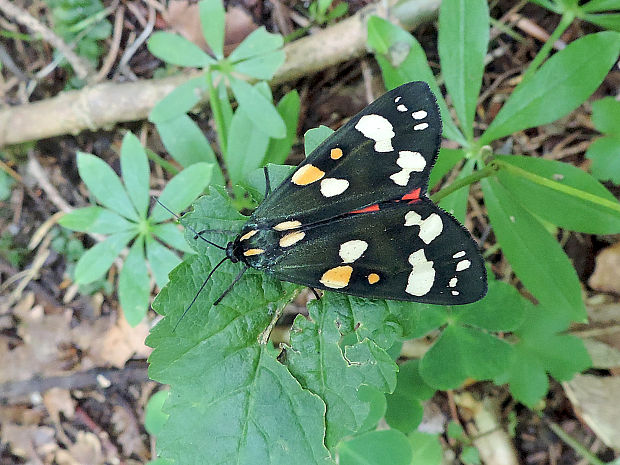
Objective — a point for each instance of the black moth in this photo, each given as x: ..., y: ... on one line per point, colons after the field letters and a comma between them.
x: 354, y: 216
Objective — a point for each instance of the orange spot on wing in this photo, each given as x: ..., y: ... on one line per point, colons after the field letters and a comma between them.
x: 413, y: 195
x: 372, y: 208
x: 373, y: 278
x: 307, y: 174
x: 336, y: 154
x: 337, y: 278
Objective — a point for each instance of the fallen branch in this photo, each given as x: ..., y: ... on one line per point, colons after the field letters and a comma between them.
x: 106, y: 104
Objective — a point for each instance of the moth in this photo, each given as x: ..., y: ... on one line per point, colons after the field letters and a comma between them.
x: 354, y: 217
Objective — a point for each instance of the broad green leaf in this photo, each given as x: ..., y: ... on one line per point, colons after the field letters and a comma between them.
x: 595, y: 6
x: 563, y: 83
x: 468, y: 353
x: 213, y: 20
x: 403, y: 60
x: 181, y: 100
x: 288, y: 108
x: 105, y: 185
x: 470, y: 456
x: 315, y: 137
x: 554, y: 191
x: 182, y: 190
x: 161, y: 260
x: 527, y: 377
x: 404, y: 405
x: 134, y: 284
x: 154, y: 416
x: 417, y: 320
x: 446, y: 160
x: 605, y: 156
x: 463, y: 41
x: 259, y: 42
x: 456, y: 203
x: 259, y: 109
x: 172, y: 235
x: 98, y: 259
x: 378, y: 405
x: 277, y: 174
x: 385, y: 447
x: 261, y: 66
x: 606, y: 116
x: 247, y: 146
x: 608, y: 21
x: 96, y: 220
x: 536, y: 257
x: 426, y: 448
x: 177, y: 50
x: 136, y: 173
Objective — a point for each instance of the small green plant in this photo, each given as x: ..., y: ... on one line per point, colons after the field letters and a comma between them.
x: 320, y: 12
x: 124, y: 218
x: 605, y: 151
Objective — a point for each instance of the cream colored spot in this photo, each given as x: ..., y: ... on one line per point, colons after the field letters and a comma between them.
x: 373, y: 278
x: 291, y: 238
x: 463, y: 265
x: 459, y: 254
x: 430, y: 228
x: 332, y: 186
x: 250, y: 252
x: 286, y: 225
x: 337, y: 278
x: 455, y: 292
x: 422, y: 274
x: 352, y: 250
x: 335, y: 154
x: 420, y: 127
x: 409, y: 162
x: 420, y: 114
x: 397, y: 99
x: 379, y: 129
x: 248, y: 234
x: 307, y: 174
x: 401, y: 107
x: 453, y: 282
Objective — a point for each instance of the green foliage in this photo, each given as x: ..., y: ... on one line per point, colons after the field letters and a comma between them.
x: 124, y: 217
x: 605, y: 151
x: 6, y: 183
x: 154, y: 416
x: 320, y: 13
x: 603, y: 13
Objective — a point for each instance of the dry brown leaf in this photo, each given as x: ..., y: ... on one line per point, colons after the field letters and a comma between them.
x: 85, y: 451
x: 57, y: 400
x: 31, y: 442
x: 606, y: 276
x: 126, y: 426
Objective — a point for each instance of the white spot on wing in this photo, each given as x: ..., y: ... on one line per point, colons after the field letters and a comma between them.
x: 420, y: 114
x: 420, y: 127
x: 422, y: 274
x: 401, y: 107
x: 455, y: 292
x: 430, y: 227
x: 459, y: 254
x: 332, y: 186
x: 397, y: 99
x: 453, y: 282
x: 352, y: 250
x: 463, y: 265
x: 409, y: 162
x: 379, y: 129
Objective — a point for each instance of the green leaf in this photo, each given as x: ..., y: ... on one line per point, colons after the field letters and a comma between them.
x: 213, y: 20
x: 402, y: 60
x: 469, y: 354
x: 154, y: 416
x: 134, y: 284
x: 554, y: 191
x: 136, y: 172
x: 98, y: 259
x: 463, y: 41
x: 181, y: 100
x: 385, y: 447
x: 161, y: 259
x: 172, y: 235
x: 375, y: 398
x: 256, y: 179
x: 417, y: 320
x: 259, y: 109
x: 605, y: 156
x: 606, y: 116
x: 446, y: 160
x: 426, y: 448
x: 288, y: 108
x: 262, y: 66
x: 96, y: 220
x: 404, y: 405
x: 470, y: 455
x: 259, y: 42
x: 315, y: 137
x: 536, y: 257
x: 177, y: 50
x: 456, y: 202
x: 182, y: 190
x: 563, y: 83
x: 609, y: 21
x: 247, y: 146
x: 105, y: 185
x: 600, y: 5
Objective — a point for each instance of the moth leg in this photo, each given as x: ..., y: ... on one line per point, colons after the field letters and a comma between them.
x: 229, y: 288
x: 267, y: 182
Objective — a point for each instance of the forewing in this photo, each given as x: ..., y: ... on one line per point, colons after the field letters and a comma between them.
x: 405, y: 251
x: 382, y: 153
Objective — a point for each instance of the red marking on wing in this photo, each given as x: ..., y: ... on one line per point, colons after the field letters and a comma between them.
x: 371, y: 208
x: 413, y: 195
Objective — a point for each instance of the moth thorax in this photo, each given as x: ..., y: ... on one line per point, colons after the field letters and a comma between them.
x: 230, y: 252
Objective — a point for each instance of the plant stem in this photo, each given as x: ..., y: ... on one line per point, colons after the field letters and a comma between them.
x: 169, y: 167
x: 467, y: 180
x: 572, y: 442
x: 567, y: 19
x: 216, y: 108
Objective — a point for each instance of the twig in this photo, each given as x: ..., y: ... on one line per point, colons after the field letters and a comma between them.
x: 116, y: 42
x: 81, y: 67
x: 131, y: 50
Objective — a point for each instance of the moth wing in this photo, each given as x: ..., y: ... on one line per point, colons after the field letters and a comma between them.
x: 405, y: 251
x: 384, y: 152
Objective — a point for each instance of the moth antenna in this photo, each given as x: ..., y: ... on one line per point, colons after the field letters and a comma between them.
x: 199, y: 291
x: 215, y: 231
x: 235, y: 281
x: 197, y: 234
x: 267, y: 182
